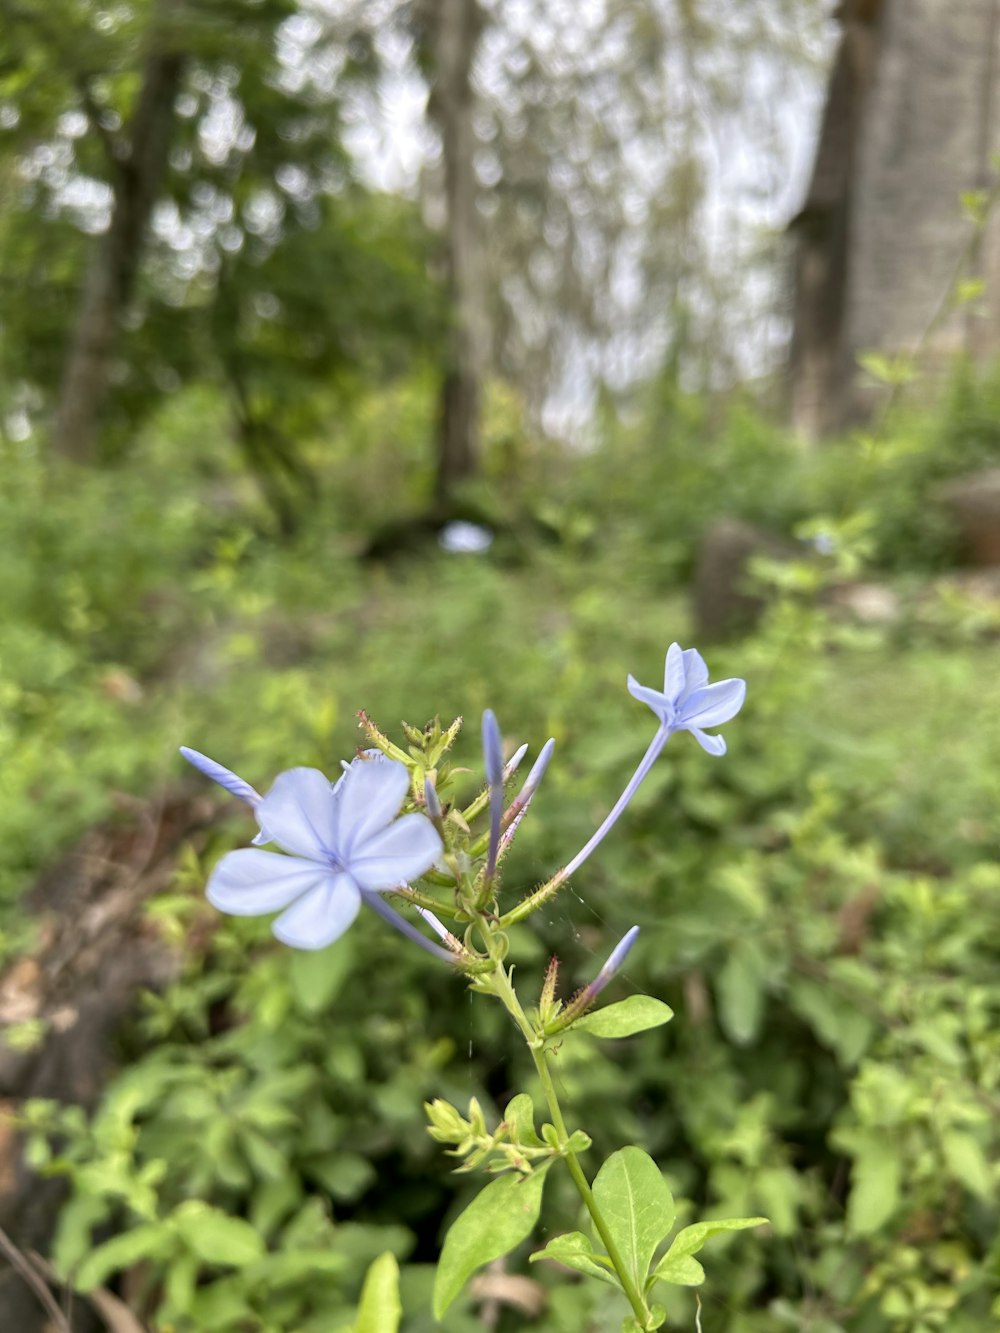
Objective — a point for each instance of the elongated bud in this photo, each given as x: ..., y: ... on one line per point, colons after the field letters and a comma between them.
x: 516, y: 810
x: 492, y: 748
x: 514, y: 762
x: 233, y: 784
x: 432, y: 800
x: 615, y: 959
x: 493, y: 760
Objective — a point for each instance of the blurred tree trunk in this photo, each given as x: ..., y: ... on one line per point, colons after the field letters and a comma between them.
x: 454, y: 30
x: 139, y: 161
x: 911, y: 118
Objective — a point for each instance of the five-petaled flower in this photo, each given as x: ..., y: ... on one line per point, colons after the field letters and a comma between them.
x: 687, y: 702
x: 345, y: 845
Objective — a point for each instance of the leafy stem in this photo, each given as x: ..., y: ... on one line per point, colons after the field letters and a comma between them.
x: 503, y: 988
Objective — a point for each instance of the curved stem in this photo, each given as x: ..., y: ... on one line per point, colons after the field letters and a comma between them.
x: 535, y: 900
x: 645, y: 764
x: 378, y: 904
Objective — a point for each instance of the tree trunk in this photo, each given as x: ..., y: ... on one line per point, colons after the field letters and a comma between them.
x: 455, y: 28
x: 914, y: 123
x: 816, y: 358
x: 110, y: 282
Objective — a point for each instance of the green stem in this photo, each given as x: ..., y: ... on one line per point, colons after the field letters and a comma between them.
x: 506, y: 993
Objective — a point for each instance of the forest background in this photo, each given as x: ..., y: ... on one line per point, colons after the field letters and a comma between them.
x: 268, y: 356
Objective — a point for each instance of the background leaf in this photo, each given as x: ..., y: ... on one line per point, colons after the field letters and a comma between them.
x: 379, y: 1309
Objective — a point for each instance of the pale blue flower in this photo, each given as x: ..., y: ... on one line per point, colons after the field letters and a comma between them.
x: 345, y: 846
x: 687, y: 702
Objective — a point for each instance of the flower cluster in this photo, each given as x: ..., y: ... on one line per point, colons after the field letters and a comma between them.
x: 349, y: 843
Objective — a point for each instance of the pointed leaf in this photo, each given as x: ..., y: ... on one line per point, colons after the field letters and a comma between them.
x: 379, y: 1309
x: 635, y: 1014
x: 678, y: 1267
x: 520, y: 1115
x: 215, y: 1237
x: 689, y: 1240
x: 152, y: 1240
x: 875, y: 1186
x: 575, y: 1251
x: 495, y: 1221
x: 637, y: 1207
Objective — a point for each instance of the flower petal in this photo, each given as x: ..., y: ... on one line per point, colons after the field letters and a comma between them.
x: 251, y: 882
x: 298, y: 813
x: 393, y: 855
x: 653, y: 699
x: 713, y: 744
x: 321, y: 915
x: 713, y: 704
x: 695, y: 670
x: 673, y: 671
x: 368, y: 798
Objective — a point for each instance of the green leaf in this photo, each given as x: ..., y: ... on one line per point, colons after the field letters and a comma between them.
x: 740, y: 987
x: 635, y: 1014
x: 637, y: 1206
x: 150, y: 1241
x: 317, y: 976
x: 875, y: 1181
x: 499, y: 1218
x: 967, y: 1163
x: 677, y: 1265
x: 215, y: 1237
x: 575, y: 1251
x: 520, y: 1115
x: 689, y: 1240
x: 379, y: 1309
x: 680, y: 1270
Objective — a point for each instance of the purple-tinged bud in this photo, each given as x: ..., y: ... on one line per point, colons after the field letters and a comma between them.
x: 493, y: 759
x: 516, y: 810
x: 615, y: 959
x: 582, y: 1001
x: 538, y: 767
x: 233, y: 784
x: 492, y: 748
x: 431, y: 800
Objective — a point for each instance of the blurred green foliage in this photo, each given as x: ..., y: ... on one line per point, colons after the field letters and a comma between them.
x: 821, y: 908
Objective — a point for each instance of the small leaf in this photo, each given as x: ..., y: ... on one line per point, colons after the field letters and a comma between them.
x: 681, y: 1270
x: 215, y: 1237
x: 626, y: 1017
x: 317, y: 976
x: 379, y: 1309
x: 520, y: 1115
x: 690, y: 1239
x: 499, y: 1218
x: 967, y: 1163
x: 575, y: 1251
x: 150, y: 1241
x: 637, y: 1206
x: 875, y: 1180
x: 741, y: 992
